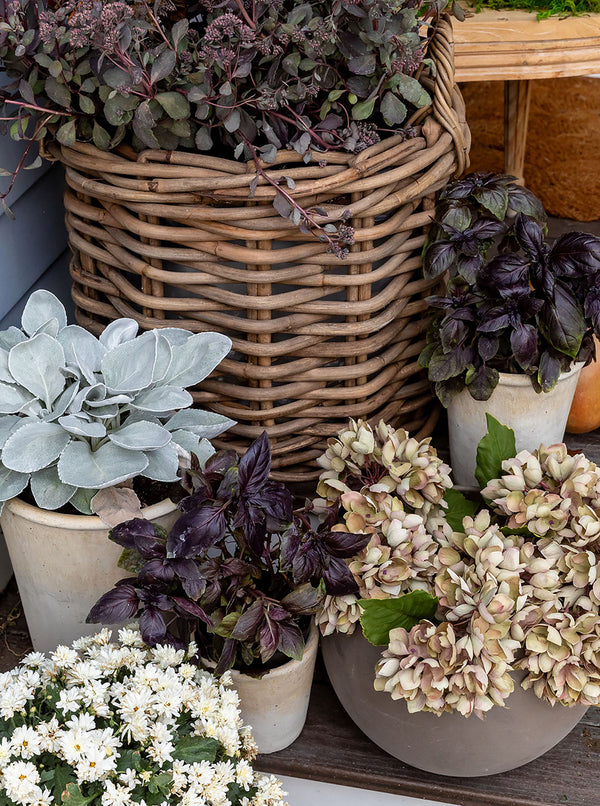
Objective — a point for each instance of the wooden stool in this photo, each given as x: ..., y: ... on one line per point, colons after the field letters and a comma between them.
x: 514, y: 47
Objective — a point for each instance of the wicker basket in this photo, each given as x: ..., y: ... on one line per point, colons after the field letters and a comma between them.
x: 171, y: 238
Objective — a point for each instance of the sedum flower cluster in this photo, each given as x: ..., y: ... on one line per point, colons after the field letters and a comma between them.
x: 517, y: 589
x: 392, y: 486
x: 117, y: 724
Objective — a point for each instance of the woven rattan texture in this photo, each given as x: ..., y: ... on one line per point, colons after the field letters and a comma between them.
x: 171, y: 238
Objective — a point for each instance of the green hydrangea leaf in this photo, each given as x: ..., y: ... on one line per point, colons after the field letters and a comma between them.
x: 379, y: 616
x: 496, y: 446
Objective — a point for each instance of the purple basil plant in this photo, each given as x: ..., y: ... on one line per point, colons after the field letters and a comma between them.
x: 240, y: 571
x: 513, y: 303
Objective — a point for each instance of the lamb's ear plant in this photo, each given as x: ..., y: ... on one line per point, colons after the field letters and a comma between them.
x: 79, y: 414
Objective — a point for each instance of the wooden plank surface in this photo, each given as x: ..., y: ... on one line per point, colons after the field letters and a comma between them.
x: 331, y: 748
x: 513, y: 44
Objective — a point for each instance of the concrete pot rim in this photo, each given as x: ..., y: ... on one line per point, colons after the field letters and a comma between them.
x: 51, y: 518
x: 520, y: 379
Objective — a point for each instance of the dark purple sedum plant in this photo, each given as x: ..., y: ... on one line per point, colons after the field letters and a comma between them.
x: 513, y: 303
x: 240, y: 571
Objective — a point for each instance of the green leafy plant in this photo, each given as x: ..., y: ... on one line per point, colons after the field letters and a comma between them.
x: 79, y: 414
x: 233, y: 79
x: 379, y: 616
x: 513, y: 303
x: 544, y: 8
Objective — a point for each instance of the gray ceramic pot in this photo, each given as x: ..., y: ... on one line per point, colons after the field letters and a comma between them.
x: 449, y: 744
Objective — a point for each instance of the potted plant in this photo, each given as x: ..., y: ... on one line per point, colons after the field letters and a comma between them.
x: 516, y: 322
x: 243, y: 574
x: 122, y: 723
x: 81, y: 418
x: 264, y: 171
x: 481, y: 614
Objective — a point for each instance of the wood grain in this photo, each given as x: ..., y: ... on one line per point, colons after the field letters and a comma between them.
x: 512, y: 45
x: 332, y: 749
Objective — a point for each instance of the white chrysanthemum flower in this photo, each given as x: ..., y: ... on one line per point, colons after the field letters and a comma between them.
x: 69, y: 700
x: 64, y: 657
x: 20, y: 780
x: 115, y: 795
x: 5, y: 751
x: 166, y: 655
x: 26, y: 742
x: 244, y: 774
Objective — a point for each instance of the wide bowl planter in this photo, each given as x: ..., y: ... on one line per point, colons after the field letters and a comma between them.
x: 275, y: 705
x: 175, y: 238
x: 63, y: 564
x: 536, y: 418
x: 449, y: 744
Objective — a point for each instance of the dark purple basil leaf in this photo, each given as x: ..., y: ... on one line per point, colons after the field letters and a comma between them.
x: 457, y: 216
x: 255, y: 466
x: 446, y: 391
x: 249, y: 622
x: 483, y: 382
x: 196, y: 500
x: 344, y: 544
x: 227, y: 658
x: 439, y: 257
x: 453, y: 332
x: 138, y: 534
x: 251, y: 519
x: 338, y: 578
x: 575, y: 254
x: 276, y: 500
x: 524, y: 345
x: 229, y: 486
x: 290, y: 543
x: 562, y: 322
x: 592, y: 309
x: 269, y: 639
x: 443, y: 366
x: 549, y: 371
x: 175, y: 641
x: 504, y: 273
x: 157, y: 569
x: 152, y: 626
x: 440, y: 302
x: 190, y: 576
x: 187, y: 607
x: 116, y: 606
x: 291, y: 641
x: 494, y: 320
x: 494, y: 199
x: 523, y: 201
x: 530, y: 236
x: 461, y: 189
x: 486, y: 230
x: 303, y: 601
x: 153, y: 596
x: 219, y: 463
x: 196, y: 530
x: 278, y: 613
x: 487, y: 347
x: 468, y: 267
x: 306, y: 563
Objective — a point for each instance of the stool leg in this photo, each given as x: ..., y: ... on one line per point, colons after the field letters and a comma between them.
x: 517, y: 96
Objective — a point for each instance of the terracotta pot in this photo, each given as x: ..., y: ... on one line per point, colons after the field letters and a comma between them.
x: 63, y: 564
x: 536, y: 418
x: 275, y: 705
x: 584, y: 415
x: 449, y: 744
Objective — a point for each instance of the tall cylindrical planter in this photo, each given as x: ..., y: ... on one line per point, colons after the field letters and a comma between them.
x: 507, y: 737
x: 275, y: 705
x: 63, y: 564
x: 536, y: 418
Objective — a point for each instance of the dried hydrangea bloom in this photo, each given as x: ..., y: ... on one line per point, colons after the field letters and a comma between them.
x: 557, y: 659
x: 433, y: 668
x: 338, y: 614
x: 383, y: 460
x: 399, y: 554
